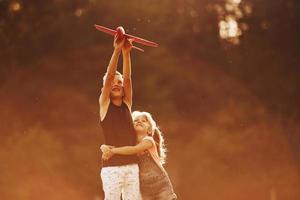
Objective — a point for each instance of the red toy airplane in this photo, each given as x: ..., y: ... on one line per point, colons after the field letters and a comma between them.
x: 121, y: 33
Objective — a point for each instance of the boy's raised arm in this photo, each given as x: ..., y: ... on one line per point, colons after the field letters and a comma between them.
x: 104, y: 98
x: 127, y: 83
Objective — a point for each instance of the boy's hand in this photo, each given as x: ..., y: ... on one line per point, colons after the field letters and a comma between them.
x: 118, y: 43
x: 127, y: 45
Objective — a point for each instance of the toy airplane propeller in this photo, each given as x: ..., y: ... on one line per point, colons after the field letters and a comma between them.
x: 121, y: 33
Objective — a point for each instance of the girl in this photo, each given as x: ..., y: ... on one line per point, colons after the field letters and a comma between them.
x: 154, y: 180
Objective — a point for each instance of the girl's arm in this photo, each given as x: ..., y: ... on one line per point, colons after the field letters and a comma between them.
x: 130, y: 150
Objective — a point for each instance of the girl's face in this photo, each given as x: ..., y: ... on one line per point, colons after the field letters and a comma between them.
x: 141, y: 124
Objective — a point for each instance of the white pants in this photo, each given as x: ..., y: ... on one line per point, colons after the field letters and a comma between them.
x: 121, y: 180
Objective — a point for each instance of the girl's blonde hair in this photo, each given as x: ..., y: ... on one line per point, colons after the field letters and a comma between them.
x: 155, y: 133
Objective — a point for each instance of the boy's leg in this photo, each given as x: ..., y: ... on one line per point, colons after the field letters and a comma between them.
x: 112, y: 181
x: 132, y: 183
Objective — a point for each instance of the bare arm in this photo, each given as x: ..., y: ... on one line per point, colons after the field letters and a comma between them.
x: 127, y: 73
x: 104, y: 98
x: 130, y: 150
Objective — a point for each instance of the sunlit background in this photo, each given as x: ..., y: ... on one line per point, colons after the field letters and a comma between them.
x: 224, y: 86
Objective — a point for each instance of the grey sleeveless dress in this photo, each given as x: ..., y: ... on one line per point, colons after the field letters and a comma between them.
x: 154, y: 180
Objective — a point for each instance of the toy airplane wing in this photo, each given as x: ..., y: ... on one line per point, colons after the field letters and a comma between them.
x: 135, y: 38
x: 106, y: 30
x: 142, y: 41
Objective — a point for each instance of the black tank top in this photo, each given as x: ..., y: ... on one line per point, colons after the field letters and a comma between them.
x: 118, y: 131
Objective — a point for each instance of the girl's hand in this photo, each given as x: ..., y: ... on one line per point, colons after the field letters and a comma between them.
x: 105, y: 148
x: 107, y: 155
x: 106, y: 151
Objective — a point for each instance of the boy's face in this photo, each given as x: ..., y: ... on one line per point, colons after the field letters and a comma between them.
x: 117, y: 89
